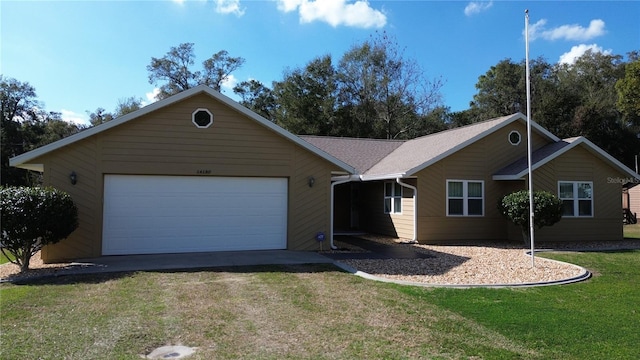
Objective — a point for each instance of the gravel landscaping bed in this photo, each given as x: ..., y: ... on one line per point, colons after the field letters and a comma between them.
x: 37, y: 268
x: 478, y: 263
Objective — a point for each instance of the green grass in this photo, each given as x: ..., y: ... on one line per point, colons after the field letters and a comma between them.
x: 318, y: 312
x: 632, y: 231
x: 598, y: 319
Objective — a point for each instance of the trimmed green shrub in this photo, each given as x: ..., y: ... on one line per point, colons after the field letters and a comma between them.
x: 547, y: 210
x: 33, y: 217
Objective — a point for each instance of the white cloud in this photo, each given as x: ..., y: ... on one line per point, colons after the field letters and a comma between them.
x: 222, y: 6
x: 229, y: 7
x: 573, y: 32
x: 476, y: 7
x: 228, y: 83
x: 336, y: 12
x: 74, y: 117
x: 579, y: 50
x: 151, y: 96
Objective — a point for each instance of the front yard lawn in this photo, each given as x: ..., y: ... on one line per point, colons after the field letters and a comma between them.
x: 632, y: 231
x: 318, y: 312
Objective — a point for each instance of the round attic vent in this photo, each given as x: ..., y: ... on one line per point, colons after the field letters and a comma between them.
x: 202, y: 118
x: 514, y: 138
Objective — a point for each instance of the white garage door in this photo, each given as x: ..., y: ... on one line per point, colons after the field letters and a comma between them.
x: 171, y: 214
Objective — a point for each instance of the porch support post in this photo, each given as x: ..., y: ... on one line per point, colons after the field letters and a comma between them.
x: 415, y: 207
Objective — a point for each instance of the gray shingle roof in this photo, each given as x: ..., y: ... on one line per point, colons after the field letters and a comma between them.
x: 545, y: 153
x: 415, y: 155
x: 377, y: 159
x: 361, y: 154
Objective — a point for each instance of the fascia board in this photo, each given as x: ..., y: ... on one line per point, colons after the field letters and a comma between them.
x: 22, y: 159
x: 595, y: 148
x: 282, y: 132
x: 515, y: 117
x: 382, y: 177
x: 581, y: 140
x: 461, y: 146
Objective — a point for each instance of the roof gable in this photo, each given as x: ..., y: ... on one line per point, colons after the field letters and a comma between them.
x: 24, y: 160
x: 417, y: 154
x: 542, y: 156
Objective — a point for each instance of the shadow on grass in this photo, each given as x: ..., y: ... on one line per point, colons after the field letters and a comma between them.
x: 102, y: 277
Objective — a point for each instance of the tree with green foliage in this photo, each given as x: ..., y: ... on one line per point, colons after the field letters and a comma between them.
x: 568, y: 99
x: 173, y: 70
x: 17, y: 100
x: 33, y: 217
x: 547, y: 210
x: 256, y: 97
x: 628, y: 89
x: 383, y: 89
x: 127, y: 105
x: 25, y: 126
x: 306, y: 98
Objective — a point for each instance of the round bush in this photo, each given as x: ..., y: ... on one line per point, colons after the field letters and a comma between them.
x: 547, y: 209
x: 33, y: 217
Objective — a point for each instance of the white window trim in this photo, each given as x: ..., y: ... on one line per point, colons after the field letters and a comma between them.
x: 394, y: 197
x: 465, y: 198
x: 576, y: 199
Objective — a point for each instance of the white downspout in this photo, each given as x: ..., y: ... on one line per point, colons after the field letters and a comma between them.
x: 415, y: 207
x: 333, y: 184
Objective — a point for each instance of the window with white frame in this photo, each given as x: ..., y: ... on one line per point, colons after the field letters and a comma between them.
x: 392, y: 198
x: 577, y: 198
x: 465, y: 198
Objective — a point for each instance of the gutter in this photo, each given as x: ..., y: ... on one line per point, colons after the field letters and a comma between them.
x: 415, y: 207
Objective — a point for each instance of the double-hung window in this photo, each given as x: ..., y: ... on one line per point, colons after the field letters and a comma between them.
x: 577, y: 198
x: 465, y: 198
x: 392, y: 198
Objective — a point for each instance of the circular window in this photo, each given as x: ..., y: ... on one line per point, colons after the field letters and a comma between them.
x: 202, y: 118
x: 514, y: 138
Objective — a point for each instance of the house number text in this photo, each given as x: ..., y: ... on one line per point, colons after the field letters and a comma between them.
x: 203, y: 172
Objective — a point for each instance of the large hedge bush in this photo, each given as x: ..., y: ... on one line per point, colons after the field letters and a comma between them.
x: 33, y: 217
x: 547, y: 210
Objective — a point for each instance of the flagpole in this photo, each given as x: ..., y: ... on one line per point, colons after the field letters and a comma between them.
x: 531, y: 204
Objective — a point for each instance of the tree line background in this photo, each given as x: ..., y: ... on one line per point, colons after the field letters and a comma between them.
x: 372, y: 91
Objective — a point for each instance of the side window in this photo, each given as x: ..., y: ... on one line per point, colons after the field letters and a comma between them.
x: 577, y: 198
x: 392, y: 198
x: 465, y: 198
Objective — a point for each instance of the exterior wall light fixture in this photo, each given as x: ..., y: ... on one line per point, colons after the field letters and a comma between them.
x: 73, y: 177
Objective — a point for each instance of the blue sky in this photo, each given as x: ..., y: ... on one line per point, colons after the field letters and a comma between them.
x: 81, y: 55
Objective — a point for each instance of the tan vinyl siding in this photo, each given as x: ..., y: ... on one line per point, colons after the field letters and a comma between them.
x: 165, y: 142
x: 308, y: 206
x: 79, y: 157
x: 477, y: 162
x: 372, y: 216
x: 579, y: 164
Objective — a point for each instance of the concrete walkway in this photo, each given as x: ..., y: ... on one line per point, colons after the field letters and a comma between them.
x: 185, y: 261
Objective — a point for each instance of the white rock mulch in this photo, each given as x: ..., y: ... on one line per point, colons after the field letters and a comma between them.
x: 487, y: 264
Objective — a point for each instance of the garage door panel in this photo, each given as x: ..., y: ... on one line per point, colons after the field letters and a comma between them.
x: 160, y: 214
